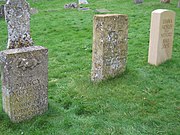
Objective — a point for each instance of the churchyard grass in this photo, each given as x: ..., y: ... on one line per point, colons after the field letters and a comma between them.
x: 145, y: 100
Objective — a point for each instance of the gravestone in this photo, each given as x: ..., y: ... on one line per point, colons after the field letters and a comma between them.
x: 138, y: 1
x: 161, y: 36
x: 17, y: 14
x: 24, y: 68
x: 1, y: 11
x: 165, y: 1
x: 82, y: 1
x: 179, y: 4
x: 110, y: 43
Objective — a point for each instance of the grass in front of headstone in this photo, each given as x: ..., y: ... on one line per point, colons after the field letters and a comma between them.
x: 144, y: 100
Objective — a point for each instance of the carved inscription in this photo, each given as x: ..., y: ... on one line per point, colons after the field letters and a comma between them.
x: 24, y: 82
x: 167, y: 33
x: 28, y: 97
x: 161, y: 36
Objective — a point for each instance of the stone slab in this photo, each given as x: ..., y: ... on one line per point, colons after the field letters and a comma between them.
x: 161, y: 36
x: 110, y: 43
x: 178, y: 4
x: 102, y: 11
x: 83, y: 2
x: 165, y: 1
x: 138, y: 1
x: 24, y: 82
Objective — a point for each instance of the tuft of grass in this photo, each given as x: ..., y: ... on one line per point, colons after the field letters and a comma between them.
x: 144, y: 100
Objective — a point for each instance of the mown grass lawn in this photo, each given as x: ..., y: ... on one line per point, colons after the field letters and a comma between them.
x: 145, y: 100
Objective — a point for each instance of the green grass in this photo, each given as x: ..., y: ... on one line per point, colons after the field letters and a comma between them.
x: 145, y: 100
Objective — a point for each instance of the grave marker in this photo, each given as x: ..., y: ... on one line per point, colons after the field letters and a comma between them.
x: 138, y: 1
x: 24, y: 67
x: 161, y: 36
x: 179, y: 4
x: 82, y: 1
x: 165, y: 1
x: 110, y: 43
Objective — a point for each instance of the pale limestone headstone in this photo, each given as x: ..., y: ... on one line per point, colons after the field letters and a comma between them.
x: 138, y: 1
x: 161, y: 36
x: 24, y: 68
x: 110, y: 44
x: 17, y: 15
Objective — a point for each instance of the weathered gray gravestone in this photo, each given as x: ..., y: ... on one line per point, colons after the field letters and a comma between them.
x: 179, y: 4
x: 138, y: 1
x: 24, y: 67
x: 17, y: 14
x: 110, y: 42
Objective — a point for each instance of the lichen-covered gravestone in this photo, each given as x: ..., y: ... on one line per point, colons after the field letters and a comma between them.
x: 161, y: 36
x: 110, y: 43
x: 17, y: 14
x: 24, y: 67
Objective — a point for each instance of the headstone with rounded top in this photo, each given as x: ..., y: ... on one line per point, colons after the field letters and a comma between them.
x: 161, y: 36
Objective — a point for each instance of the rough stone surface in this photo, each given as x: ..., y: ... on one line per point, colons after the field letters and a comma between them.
x: 17, y: 15
x: 110, y: 43
x: 138, y: 1
x: 24, y: 82
x: 161, y: 36
x: 165, y: 1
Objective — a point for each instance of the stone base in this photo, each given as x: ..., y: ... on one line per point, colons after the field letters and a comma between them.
x: 24, y: 82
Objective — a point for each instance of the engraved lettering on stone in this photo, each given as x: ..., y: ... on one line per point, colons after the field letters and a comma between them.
x: 167, y: 33
x: 161, y: 36
x: 24, y: 92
